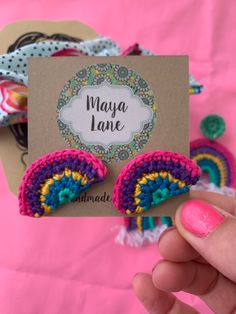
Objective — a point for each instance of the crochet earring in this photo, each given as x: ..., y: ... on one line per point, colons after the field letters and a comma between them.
x: 215, y: 160
x: 152, y: 178
x: 58, y: 178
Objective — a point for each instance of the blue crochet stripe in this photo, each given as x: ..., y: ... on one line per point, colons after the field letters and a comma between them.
x: 157, y: 191
x: 63, y: 191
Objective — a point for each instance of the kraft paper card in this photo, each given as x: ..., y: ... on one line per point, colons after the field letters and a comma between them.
x: 114, y: 107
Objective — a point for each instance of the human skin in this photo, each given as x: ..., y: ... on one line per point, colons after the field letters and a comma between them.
x: 199, y: 257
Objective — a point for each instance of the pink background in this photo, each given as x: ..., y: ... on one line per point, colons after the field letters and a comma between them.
x: 73, y: 265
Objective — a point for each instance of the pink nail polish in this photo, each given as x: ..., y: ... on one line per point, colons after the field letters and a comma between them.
x: 200, y: 218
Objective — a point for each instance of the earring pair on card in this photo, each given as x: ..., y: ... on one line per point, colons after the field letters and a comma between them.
x: 146, y: 181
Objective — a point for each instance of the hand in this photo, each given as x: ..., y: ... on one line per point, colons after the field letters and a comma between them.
x: 199, y: 257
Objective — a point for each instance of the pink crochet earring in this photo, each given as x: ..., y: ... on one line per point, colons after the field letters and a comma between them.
x: 58, y: 178
x: 152, y: 178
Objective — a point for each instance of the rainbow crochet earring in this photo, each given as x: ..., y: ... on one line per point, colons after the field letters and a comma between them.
x: 58, y: 178
x: 213, y: 158
x: 152, y: 178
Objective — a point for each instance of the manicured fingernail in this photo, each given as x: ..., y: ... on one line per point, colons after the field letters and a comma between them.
x: 200, y: 218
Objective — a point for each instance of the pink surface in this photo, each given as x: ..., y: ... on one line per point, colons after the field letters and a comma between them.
x: 57, y: 265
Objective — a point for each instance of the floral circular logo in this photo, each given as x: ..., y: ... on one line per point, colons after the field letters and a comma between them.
x: 108, y: 110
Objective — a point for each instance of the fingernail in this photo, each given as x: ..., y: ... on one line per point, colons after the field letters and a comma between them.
x: 200, y: 218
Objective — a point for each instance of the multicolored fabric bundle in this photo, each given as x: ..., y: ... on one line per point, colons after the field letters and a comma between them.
x: 152, y: 178
x: 14, y: 65
x: 13, y: 103
x: 58, y: 178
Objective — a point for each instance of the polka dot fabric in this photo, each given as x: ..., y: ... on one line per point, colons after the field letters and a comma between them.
x: 14, y: 69
x: 14, y: 66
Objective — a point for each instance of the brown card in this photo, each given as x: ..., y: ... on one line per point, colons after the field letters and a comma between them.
x: 13, y: 36
x: 75, y: 102
x: 12, y: 32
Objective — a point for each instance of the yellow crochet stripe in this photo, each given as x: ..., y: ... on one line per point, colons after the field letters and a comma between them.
x: 143, y: 180
x: 217, y: 161
x: 139, y: 223
x: 45, y: 188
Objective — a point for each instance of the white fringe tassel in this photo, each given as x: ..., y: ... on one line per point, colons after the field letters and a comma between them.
x: 137, y: 239
x: 211, y: 187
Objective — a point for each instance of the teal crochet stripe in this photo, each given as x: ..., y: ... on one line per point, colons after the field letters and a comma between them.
x: 157, y: 191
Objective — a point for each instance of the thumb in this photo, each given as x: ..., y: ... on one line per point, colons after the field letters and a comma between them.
x: 211, y: 232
